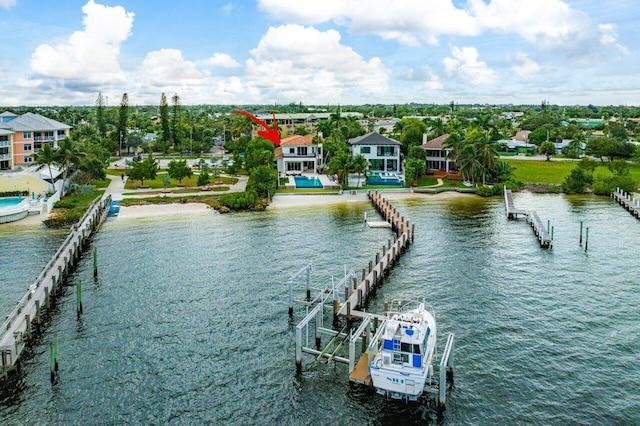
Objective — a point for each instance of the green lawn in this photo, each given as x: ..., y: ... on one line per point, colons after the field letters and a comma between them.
x: 157, y: 183
x: 555, y: 172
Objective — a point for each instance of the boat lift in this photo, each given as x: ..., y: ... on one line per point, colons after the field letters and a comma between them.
x: 363, y: 341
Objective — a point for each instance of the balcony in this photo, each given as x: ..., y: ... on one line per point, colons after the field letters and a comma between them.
x: 44, y: 138
x: 5, y: 157
x: 4, y: 144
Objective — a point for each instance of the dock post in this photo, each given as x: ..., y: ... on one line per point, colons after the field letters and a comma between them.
x: 55, y: 352
x: 552, y: 232
x: 79, y: 297
x: 38, y: 310
x: 586, y: 240
x: 52, y: 371
x: 370, y: 266
x: 290, y: 299
x: 335, y: 312
x: 442, y: 388
x: 309, y: 282
x: 27, y: 318
x: 298, y: 350
x: 413, y: 231
x: 580, y: 232
x: 47, y: 298
x: 385, y: 307
x: 95, y: 262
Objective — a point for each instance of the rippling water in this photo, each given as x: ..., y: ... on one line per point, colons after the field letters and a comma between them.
x: 187, y: 322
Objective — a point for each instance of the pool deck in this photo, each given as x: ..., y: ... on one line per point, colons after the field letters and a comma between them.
x: 326, y: 182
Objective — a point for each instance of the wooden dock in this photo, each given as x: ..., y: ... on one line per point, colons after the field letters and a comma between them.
x: 512, y: 211
x: 16, y: 331
x: 627, y: 201
x: 357, y: 294
x: 539, y: 229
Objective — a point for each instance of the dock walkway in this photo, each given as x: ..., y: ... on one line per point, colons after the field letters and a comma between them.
x: 512, y: 211
x: 16, y: 330
x: 539, y: 229
x: 627, y: 201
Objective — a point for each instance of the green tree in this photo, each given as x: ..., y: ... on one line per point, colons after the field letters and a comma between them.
x: 145, y: 169
x: 176, y: 122
x: 100, y: 120
x: 179, y: 169
x: 259, y: 152
x: 413, y: 169
x: 164, y: 139
x: 47, y: 156
x: 580, y: 178
x: 69, y: 155
x: 340, y: 164
x: 123, y: 118
x: 538, y: 136
x: 360, y: 165
x: 301, y: 130
x: 203, y: 178
x: 547, y: 148
x: 263, y: 181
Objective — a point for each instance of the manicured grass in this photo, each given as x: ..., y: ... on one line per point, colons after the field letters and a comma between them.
x: 70, y: 209
x: 555, y: 172
x: 158, y: 183
x: 427, y: 181
x: 101, y: 183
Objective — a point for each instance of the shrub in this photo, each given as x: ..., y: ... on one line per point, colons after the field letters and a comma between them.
x: 488, y: 191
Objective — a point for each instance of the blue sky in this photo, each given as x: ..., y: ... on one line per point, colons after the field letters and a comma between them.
x: 320, y: 52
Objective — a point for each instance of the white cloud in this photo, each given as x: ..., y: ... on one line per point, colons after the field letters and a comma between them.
x: 89, y: 56
x: 610, y: 38
x: 410, y: 22
x: 425, y: 75
x: 293, y: 62
x: 465, y: 66
x: 222, y: 60
x: 7, y: 3
x: 527, y: 66
x: 167, y: 68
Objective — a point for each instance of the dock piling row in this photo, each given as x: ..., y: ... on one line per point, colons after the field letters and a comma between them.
x: 16, y: 330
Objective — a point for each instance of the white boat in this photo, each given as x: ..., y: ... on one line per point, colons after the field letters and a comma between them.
x: 403, y: 362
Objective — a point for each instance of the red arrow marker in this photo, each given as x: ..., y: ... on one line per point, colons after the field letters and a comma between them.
x: 270, y: 133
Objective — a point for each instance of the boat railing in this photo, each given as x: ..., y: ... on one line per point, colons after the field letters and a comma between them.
x: 376, y: 342
x: 404, y: 305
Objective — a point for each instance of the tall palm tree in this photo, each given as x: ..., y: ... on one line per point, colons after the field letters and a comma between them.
x: 47, y: 156
x: 454, y: 143
x: 470, y: 166
x: 69, y: 155
x: 360, y: 165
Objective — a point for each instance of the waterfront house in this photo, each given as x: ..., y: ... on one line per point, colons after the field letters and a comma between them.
x: 297, y: 154
x: 30, y: 132
x: 437, y: 156
x: 382, y: 153
x: 6, y: 144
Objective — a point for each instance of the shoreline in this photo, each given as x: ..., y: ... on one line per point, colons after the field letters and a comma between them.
x: 279, y: 201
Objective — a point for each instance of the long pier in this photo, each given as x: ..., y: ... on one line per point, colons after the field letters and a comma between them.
x: 512, y: 211
x: 346, y: 300
x: 627, y: 201
x: 16, y: 330
x: 540, y: 231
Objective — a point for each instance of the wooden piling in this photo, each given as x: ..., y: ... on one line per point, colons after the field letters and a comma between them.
x: 79, y: 298
x: 95, y: 262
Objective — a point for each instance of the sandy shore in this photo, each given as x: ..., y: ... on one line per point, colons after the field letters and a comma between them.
x: 153, y: 210
x: 279, y: 201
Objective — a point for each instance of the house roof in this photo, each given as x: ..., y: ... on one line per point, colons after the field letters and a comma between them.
x: 8, y: 114
x: 297, y: 140
x: 33, y: 122
x: 5, y: 132
x: 277, y: 152
x: 522, y: 135
x: 437, y: 143
x: 373, y: 138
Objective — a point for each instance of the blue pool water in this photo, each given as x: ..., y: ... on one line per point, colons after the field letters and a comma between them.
x: 307, y: 182
x: 10, y: 202
x: 377, y: 179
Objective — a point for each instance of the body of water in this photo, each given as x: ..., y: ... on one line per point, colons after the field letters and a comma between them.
x: 187, y: 322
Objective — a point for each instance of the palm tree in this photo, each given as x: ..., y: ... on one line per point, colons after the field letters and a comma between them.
x: 468, y: 160
x: 47, y: 156
x: 454, y: 143
x: 68, y: 155
x: 360, y: 165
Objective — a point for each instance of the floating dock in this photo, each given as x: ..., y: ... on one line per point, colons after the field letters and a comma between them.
x: 16, y: 330
x: 343, y: 303
x: 627, y: 201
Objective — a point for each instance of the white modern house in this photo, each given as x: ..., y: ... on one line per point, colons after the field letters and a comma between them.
x: 298, y: 154
x: 383, y: 153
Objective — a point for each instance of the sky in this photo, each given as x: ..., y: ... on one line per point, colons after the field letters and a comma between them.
x: 320, y: 52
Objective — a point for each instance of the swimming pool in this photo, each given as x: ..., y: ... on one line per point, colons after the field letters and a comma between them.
x: 307, y: 182
x: 384, y: 178
x: 10, y: 201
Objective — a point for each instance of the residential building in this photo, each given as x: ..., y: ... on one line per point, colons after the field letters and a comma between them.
x: 287, y: 123
x: 7, y: 116
x: 6, y: 144
x: 437, y: 155
x: 31, y: 132
x: 297, y: 154
x: 383, y: 153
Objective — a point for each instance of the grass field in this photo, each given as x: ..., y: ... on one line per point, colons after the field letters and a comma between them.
x: 555, y: 172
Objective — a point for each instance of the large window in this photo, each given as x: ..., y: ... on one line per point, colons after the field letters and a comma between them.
x: 26, y: 135
x: 386, y: 151
x: 27, y: 147
x: 365, y: 150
